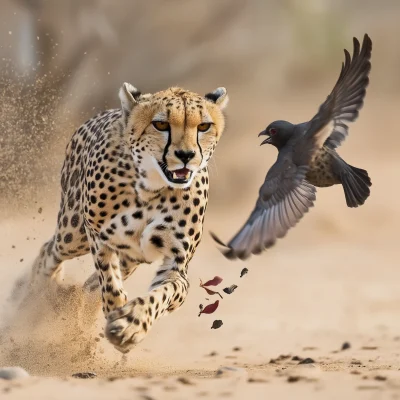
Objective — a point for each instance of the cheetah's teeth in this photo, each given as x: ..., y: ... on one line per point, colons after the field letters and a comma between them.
x: 176, y: 176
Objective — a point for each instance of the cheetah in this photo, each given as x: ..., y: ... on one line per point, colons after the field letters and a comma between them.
x: 134, y: 190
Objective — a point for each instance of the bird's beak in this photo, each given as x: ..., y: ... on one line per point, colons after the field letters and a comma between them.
x: 267, y: 140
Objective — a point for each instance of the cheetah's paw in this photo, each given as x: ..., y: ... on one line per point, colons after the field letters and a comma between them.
x: 128, y: 325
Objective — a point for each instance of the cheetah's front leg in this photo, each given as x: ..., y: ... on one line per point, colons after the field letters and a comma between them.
x: 128, y: 325
x: 108, y: 269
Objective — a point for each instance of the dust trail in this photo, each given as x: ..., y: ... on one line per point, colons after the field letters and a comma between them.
x: 55, y: 331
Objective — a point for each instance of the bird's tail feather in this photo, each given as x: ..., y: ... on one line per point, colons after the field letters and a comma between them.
x: 356, y: 184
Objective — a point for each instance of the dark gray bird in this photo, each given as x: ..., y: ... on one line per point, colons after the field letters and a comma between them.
x: 307, y: 158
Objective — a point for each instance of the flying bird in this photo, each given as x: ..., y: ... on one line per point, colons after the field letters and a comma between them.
x: 307, y: 158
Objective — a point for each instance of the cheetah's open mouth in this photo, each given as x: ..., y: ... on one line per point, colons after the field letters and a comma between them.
x: 181, y: 175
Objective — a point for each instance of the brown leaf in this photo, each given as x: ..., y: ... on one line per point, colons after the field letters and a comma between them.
x: 185, y: 381
x: 210, y: 308
x: 213, y: 282
x: 211, y: 292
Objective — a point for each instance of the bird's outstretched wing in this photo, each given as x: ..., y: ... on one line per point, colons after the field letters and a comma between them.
x: 284, y: 198
x: 328, y: 126
x: 347, y: 97
x: 285, y: 195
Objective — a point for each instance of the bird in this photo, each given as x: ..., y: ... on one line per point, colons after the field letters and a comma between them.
x: 307, y: 159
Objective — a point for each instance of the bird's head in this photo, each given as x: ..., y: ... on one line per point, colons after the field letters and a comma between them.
x: 278, y: 133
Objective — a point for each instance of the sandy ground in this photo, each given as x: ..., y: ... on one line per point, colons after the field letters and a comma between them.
x: 334, y: 279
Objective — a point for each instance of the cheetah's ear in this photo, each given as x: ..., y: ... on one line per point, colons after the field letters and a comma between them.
x: 219, y: 96
x: 129, y: 97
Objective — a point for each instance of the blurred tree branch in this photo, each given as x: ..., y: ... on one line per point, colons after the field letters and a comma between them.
x: 45, y: 39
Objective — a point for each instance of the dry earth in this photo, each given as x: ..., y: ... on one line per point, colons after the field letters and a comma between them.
x: 334, y: 279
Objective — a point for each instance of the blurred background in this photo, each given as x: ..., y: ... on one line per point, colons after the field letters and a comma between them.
x: 63, y: 61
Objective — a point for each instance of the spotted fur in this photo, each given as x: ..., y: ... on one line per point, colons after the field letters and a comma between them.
x: 118, y: 203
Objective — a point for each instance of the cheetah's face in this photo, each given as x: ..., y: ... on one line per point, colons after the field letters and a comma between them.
x: 173, y: 133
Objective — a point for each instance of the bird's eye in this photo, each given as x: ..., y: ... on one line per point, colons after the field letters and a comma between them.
x: 272, y: 131
x: 203, y: 127
x: 161, y: 125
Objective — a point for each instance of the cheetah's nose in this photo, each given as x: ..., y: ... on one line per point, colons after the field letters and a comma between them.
x: 185, y: 156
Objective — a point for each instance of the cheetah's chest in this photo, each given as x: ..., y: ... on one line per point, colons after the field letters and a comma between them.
x: 133, y: 229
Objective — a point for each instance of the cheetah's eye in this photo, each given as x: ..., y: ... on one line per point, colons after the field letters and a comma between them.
x: 161, y: 126
x: 204, y: 127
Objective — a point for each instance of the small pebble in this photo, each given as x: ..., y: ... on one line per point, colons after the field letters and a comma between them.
x: 297, y: 358
x: 40, y: 210
x: 346, y: 346
x: 11, y: 373
x: 85, y: 375
x: 256, y: 380
x: 380, y: 378
x: 184, y: 381
x: 279, y: 358
x: 369, y: 348
x: 307, y: 360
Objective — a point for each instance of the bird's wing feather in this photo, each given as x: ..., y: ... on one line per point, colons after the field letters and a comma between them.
x: 328, y: 127
x: 284, y: 198
x: 347, y: 97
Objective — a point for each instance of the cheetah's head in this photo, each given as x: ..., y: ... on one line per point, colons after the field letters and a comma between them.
x: 172, y: 133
